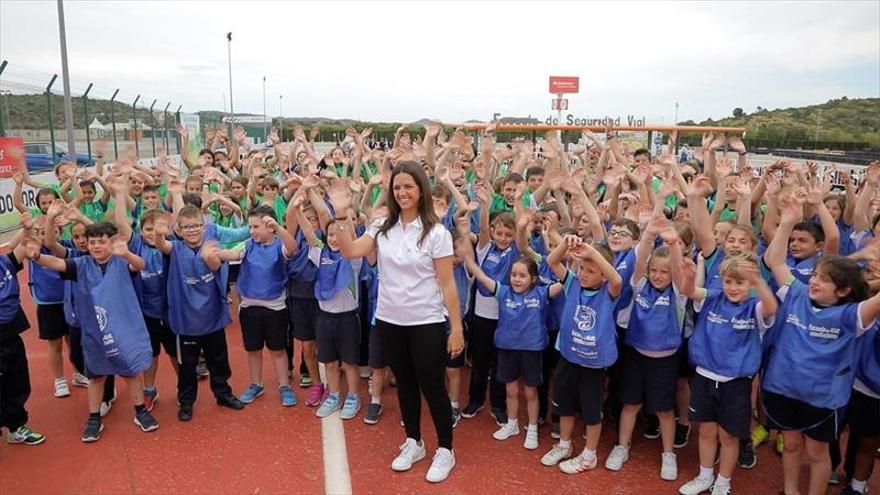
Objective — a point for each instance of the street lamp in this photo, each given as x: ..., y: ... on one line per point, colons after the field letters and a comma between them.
x: 281, y: 116
x: 229, y: 55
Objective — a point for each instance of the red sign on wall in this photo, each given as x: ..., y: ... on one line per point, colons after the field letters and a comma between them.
x: 564, y: 84
x: 11, y: 156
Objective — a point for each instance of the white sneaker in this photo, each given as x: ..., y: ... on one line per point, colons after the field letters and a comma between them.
x: 441, y: 466
x: 509, y: 429
x: 531, y: 441
x: 411, y: 452
x: 668, y: 467
x: 617, y: 458
x: 697, y: 486
x: 556, y: 454
x: 79, y: 380
x: 61, y: 387
x: 578, y: 464
x: 105, y: 408
x: 721, y: 489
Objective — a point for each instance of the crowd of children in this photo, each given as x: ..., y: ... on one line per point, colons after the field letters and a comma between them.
x: 602, y: 283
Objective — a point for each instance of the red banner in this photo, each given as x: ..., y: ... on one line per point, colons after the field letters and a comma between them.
x: 11, y: 156
x: 564, y: 84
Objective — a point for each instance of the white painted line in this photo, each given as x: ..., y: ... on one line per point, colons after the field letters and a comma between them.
x: 337, y: 478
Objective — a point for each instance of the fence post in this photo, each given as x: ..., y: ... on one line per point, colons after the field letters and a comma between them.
x: 165, y: 123
x: 85, y: 98
x: 153, y: 127
x: 51, y: 119
x: 137, y: 147
x: 177, y: 134
x: 113, y: 118
x: 2, y: 129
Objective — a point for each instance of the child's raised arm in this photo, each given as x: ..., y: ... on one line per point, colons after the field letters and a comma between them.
x: 554, y: 259
x: 769, y: 304
x: 615, y: 282
x: 50, y: 240
x: 467, y: 254
x: 790, y: 214
x: 815, y: 197
x: 658, y: 223
x: 696, y: 200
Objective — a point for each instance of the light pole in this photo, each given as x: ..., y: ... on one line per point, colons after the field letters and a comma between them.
x: 265, y: 131
x: 65, y: 76
x: 229, y: 55
x: 281, y: 117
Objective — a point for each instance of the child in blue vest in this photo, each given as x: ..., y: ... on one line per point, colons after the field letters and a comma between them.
x: 337, y: 329
x: 263, y: 308
x: 649, y: 365
x: 520, y: 338
x: 496, y: 252
x: 464, y: 281
x: 152, y: 290
x: 864, y: 411
x: 725, y: 348
x: 808, y: 377
x: 588, y: 345
x: 15, y: 382
x: 115, y: 339
x: 197, y: 311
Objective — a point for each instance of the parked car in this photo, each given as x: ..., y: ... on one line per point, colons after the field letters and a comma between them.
x: 40, y: 159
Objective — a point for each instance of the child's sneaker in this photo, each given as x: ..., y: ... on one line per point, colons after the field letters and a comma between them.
x: 61, y: 387
x: 374, y: 410
x: 682, y: 435
x: 747, y: 458
x: 145, y: 420
x: 441, y: 465
x: 105, y: 408
x: 288, y: 399
x: 556, y: 454
x: 759, y: 436
x: 697, y: 485
x: 253, y: 391
x: 720, y: 489
x: 668, y: 467
x: 555, y: 434
x: 531, y: 441
x: 364, y: 372
x: 579, y: 464
x: 411, y: 452
x: 25, y: 436
x: 93, y: 430
x: 202, y: 368
x: 329, y: 406
x: 471, y: 410
x: 456, y: 416
x: 507, y: 430
x: 151, y: 395
x: 305, y: 381
x: 316, y: 392
x: 79, y: 380
x: 351, y: 406
x: 617, y: 458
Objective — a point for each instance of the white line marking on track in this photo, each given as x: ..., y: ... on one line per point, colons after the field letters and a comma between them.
x: 337, y: 478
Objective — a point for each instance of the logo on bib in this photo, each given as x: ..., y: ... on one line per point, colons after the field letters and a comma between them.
x: 585, y: 317
x: 101, y: 316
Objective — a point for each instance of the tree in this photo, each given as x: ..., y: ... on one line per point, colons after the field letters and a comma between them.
x: 738, y: 112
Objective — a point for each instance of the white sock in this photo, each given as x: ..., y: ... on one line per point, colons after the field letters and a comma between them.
x: 454, y: 403
x: 513, y: 422
x: 589, y: 454
x: 532, y: 427
x: 375, y: 400
x: 858, y: 486
x: 565, y: 444
x: 707, y: 472
x: 721, y: 480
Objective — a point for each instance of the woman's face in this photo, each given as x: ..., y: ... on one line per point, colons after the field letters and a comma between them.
x: 406, y: 192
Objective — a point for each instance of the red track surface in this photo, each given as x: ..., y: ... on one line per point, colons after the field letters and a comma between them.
x: 269, y: 449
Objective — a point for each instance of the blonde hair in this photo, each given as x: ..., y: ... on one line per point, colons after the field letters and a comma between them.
x: 731, y: 266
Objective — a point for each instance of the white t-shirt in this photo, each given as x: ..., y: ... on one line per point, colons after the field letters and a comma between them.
x: 409, y: 293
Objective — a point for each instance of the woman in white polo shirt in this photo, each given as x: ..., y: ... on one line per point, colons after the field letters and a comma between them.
x: 415, y: 256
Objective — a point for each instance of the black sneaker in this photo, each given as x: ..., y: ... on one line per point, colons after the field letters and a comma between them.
x: 651, y: 432
x: 500, y: 416
x: 456, y: 416
x: 145, y: 420
x: 851, y: 491
x: 231, y: 402
x: 471, y: 410
x: 555, y: 434
x: 747, y: 458
x: 373, y: 413
x: 93, y: 430
x: 185, y: 413
x: 202, y: 368
x: 682, y: 434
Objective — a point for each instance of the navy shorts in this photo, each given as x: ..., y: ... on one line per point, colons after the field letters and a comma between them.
x: 376, y: 359
x: 579, y: 389
x: 303, y: 316
x: 51, y: 322
x: 338, y: 337
x: 727, y: 403
x: 864, y: 415
x: 263, y: 327
x: 161, y: 337
x: 648, y: 380
x: 786, y: 414
x: 514, y: 365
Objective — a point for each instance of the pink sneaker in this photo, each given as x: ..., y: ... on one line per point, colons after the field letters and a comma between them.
x: 315, y: 395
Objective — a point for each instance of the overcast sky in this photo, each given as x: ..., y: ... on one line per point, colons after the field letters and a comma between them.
x: 401, y: 61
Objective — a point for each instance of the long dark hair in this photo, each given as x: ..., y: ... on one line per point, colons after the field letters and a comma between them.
x: 425, y: 207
